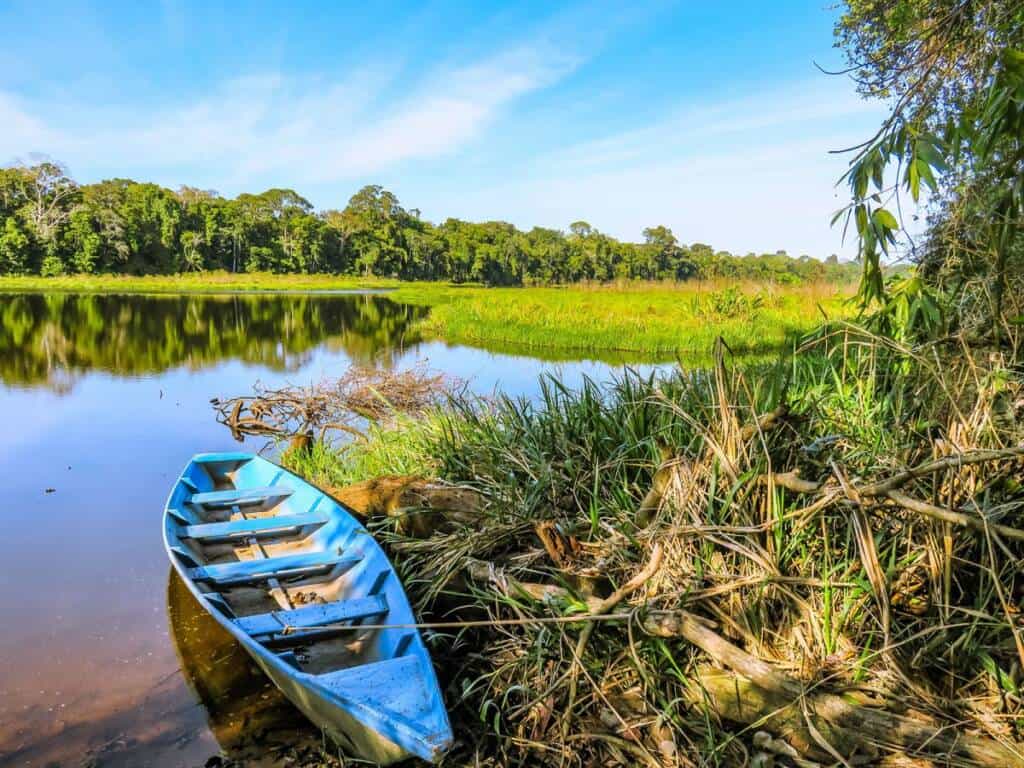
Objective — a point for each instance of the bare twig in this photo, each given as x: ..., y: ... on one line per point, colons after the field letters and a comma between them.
x: 344, y: 404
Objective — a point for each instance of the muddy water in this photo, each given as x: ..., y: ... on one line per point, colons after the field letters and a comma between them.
x: 105, y: 660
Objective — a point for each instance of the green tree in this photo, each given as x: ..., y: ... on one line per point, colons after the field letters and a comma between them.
x: 83, y: 242
x: 953, y: 73
x: 49, y: 197
x: 15, y: 248
x: 371, y: 225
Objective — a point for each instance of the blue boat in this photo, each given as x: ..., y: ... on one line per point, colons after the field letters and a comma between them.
x: 295, y: 578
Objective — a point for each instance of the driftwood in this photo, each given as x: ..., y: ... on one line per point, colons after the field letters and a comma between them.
x: 817, y: 724
x: 753, y: 692
x: 305, y: 414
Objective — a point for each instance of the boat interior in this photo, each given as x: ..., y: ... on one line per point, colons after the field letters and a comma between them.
x: 287, y: 565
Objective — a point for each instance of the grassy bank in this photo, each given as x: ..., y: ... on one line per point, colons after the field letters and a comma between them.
x: 769, y: 512
x: 628, y: 322
x: 657, y: 320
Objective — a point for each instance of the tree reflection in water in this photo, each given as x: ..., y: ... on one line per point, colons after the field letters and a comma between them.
x: 46, y: 340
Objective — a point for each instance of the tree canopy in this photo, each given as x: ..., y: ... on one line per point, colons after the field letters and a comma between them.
x: 952, y: 73
x: 51, y: 225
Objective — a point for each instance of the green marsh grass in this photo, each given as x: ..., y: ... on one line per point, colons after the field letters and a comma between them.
x: 638, y: 320
x: 400, y: 447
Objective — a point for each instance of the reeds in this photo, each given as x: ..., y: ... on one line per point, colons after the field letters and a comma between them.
x: 761, y: 491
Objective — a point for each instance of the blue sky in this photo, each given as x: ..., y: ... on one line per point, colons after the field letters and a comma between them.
x: 709, y: 118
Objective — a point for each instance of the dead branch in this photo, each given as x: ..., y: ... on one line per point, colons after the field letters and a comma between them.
x: 765, y: 422
x: 957, y: 518
x: 344, y: 404
x: 793, y: 482
x: 758, y: 693
x: 952, y: 461
x: 838, y: 487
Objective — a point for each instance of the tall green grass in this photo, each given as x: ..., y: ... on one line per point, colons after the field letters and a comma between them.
x: 642, y: 321
x: 403, y: 446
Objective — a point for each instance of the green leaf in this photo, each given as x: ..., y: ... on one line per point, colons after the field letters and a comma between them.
x: 929, y: 150
x: 885, y: 219
x: 859, y: 180
x: 913, y: 180
x: 877, y: 169
x: 925, y: 172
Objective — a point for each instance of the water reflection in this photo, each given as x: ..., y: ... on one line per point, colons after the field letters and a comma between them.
x: 247, y: 714
x: 48, y: 339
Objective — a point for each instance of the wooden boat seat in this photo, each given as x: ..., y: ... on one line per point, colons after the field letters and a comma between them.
x: 269, y: 626
x: 286, y: 567
x: 254, y: 526
x: 240, y: 496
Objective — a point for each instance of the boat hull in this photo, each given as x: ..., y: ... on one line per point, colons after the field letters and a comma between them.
x: 382, y: 706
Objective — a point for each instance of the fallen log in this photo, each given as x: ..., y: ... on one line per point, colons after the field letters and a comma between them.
x: 817, y: 723
x: 421, y: 506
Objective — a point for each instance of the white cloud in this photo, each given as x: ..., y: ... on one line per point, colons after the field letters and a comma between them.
x: 20, y: 132
x: 298, y: 131
x: 744, y: 174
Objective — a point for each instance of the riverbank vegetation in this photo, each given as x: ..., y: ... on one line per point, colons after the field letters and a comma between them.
x: 648, y: 321
x: 809, y: 558
x: 52, y: 226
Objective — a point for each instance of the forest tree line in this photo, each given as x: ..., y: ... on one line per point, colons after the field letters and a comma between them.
x: 50, y: 225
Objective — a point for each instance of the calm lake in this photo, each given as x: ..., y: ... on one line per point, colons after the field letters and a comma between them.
x: 105, y: 660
